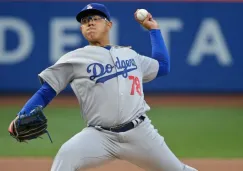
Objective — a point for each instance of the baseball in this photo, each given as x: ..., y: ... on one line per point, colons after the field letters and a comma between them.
x: 142, y: 14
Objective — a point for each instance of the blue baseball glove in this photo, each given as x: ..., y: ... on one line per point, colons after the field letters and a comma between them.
x: 29, y: 126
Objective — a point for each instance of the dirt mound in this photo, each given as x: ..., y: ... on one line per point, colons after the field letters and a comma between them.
x: 44, y: 164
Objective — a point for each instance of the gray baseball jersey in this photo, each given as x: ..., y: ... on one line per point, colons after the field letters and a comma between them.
x: 107, y: 83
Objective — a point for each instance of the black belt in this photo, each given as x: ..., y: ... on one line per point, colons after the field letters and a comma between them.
x: 123, y: 127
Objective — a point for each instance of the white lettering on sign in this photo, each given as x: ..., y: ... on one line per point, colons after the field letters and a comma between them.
x: 114, y: 32
x: 25, y: 37
x: 168, y: 25
x: 59, y: 39
x: 209, y: 41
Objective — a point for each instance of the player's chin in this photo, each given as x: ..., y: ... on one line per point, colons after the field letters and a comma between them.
x: 92, y: 38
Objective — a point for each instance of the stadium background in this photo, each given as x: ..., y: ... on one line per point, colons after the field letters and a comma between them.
x: 198, y: 107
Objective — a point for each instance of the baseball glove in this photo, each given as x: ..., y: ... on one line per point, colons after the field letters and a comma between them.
x: 29, y: 126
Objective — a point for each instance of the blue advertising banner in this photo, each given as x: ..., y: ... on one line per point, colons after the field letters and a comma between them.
x: 204, y: 41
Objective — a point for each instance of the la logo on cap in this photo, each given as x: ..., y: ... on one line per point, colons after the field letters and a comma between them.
x: 89, y: 7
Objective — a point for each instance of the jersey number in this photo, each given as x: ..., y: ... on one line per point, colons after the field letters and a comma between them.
x: 135, y: 85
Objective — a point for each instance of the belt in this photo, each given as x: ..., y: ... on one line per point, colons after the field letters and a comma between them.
x: 124, y: 127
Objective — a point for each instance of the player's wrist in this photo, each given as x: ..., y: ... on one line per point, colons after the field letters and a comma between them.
x: 154, y: 31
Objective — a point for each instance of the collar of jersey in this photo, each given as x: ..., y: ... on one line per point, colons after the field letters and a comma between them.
x: 108, y: 47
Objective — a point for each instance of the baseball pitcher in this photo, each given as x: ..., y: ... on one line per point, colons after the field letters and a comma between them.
x: 108, y: 83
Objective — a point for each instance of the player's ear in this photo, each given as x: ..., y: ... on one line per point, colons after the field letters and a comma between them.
x: 81, y: 28
x: 109, y: 24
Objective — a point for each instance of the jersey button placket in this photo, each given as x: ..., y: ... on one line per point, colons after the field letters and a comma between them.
x: 113, y: 56
x: 121, y: 96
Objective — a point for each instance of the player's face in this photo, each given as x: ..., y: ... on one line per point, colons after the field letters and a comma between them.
x: 95, y: 28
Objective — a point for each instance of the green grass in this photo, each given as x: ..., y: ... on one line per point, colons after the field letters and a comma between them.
x: 201, y: 132
x: 189, y: 132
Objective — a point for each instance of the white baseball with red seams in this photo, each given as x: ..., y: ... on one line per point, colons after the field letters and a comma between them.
x: 142, y: 14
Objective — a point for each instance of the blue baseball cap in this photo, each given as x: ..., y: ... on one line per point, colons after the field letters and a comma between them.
x: 94, y: 8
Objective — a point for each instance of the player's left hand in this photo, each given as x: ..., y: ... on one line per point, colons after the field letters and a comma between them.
x: 148, y: 23
x: 29, y: 126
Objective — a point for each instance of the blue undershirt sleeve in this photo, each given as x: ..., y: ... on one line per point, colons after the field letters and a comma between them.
x: 159, y: 52
x: 41, y: 98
